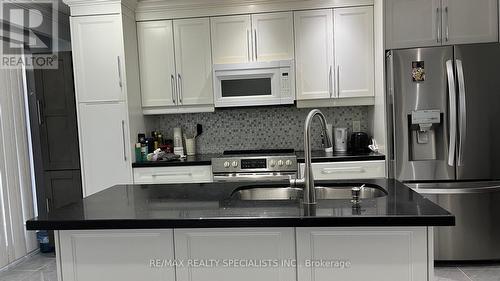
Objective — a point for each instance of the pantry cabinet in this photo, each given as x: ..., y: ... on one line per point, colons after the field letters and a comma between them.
x: 105, y: 152
x: 252, y: 38
x: 97, y: 43
x: 238, y: 244
x: 334, y: 53
x: 354, y: 53
x: 425, y: 23
x: 175, y: 66
x: 107, y: 90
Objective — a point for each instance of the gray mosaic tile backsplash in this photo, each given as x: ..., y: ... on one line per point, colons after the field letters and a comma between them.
x: 255, y: 127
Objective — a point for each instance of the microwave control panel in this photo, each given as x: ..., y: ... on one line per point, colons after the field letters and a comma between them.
x: 285, y: 83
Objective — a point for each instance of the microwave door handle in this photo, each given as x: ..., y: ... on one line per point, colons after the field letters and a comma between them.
x: 462, y: 120
x: 452, y: 111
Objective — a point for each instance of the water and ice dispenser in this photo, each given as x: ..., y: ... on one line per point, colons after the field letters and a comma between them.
x: 425, y: 130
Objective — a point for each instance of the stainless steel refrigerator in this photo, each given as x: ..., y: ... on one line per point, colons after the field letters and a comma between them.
x: 444, y: 124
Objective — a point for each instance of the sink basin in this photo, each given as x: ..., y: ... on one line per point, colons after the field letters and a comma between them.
x: 290, y: 193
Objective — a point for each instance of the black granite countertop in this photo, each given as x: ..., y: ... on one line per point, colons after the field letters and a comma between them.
x: 317, y: 156
x: 211, y: 205
x: 322, y: 156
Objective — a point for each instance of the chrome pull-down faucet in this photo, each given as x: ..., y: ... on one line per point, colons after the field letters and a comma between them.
x: 307, y: 181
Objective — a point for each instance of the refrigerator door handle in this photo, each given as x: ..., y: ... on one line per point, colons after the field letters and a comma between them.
x: 452, y: 111
x: 462, y: 121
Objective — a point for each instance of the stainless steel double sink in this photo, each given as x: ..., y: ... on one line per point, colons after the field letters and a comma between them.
x: 343, y: 192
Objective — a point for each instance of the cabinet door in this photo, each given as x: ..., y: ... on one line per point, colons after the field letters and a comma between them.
x: 354, y: 58
x: 116, y: 255
x: 466, y: 21
x: 99, y: 65
x: 104, y: 146
x: 157, y: 64
x: 238, y: 244
x: 413, y: 23
x: 375, y: 254
x: 193, y: 61
x: 231, y: 38
x: 273, y: 36
x: 62, y: 188
x: 166, y: 175
x: 314, y: 54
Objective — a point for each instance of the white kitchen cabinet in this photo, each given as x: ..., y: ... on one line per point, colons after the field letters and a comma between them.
x: 314, y: 54
x: 423, y: 23
x: 176, y: 66
x: 377, y: 254
x: 354, y: 55
x: 193, y: 60
x: 115, y: 255
x: 244, y: 244
x: 273, y: 36
x: 104, y: 146
x: 412, y: 23
x: 177, y: 174
x: 157, y: 63
x: 466, y: 21
x: 98, y: 56
x: 231, y: 42
x: 347, y: 170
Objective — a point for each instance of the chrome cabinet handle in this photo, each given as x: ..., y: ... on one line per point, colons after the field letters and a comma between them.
x: 452, y: 111
x: 172, y: 86
x: 179, y: 87
x: 39, y: 112
x: 330, y: 81
x: 438, y: 25
x: 120, y: 82
x: 255, y: 43
x: 124, y: 142
x: 462, y: 120
x: 338, y: 81
x: 248, y: 46
x: 447, y: 24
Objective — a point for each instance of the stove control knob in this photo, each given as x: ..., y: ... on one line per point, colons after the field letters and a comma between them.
x: 272, y: 163
x: 288, y: 162
x: 280, y: 163
x: 234, y: 164
x: 227, y: 164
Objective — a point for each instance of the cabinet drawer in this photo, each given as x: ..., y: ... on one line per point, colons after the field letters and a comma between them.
x: 184, y: 174
x: 347, y: 170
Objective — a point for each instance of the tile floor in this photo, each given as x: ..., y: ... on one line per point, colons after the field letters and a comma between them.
x: 42, y: 267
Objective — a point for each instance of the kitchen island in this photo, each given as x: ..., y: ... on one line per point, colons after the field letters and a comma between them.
x: 205, y: 232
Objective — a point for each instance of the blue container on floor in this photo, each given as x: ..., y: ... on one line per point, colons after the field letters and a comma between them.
x: 43, y: 239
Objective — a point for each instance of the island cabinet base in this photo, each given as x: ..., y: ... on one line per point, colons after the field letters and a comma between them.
x: 263, y: 254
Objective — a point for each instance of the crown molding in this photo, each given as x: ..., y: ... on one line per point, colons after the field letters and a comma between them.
x: 95, y: 7
x: 171, y: 9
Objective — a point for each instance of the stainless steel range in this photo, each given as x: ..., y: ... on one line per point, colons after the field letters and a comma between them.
x: 252, y: 165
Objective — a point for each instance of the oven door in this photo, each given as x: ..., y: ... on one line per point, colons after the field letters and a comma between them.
x: 252, y: 177
x: 248, y: 87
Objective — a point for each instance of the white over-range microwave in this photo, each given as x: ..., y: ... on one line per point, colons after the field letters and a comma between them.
x: 253, y: 84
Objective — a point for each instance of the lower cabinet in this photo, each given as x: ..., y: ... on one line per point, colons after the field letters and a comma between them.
x: 235, y: 249
x: 354, y: 254
x: 115, y: 255
x: 247, y: 254
x: 347, y: 170
x: 169, y: 175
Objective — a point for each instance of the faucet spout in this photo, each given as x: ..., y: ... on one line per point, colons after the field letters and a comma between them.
x: 308, y: 179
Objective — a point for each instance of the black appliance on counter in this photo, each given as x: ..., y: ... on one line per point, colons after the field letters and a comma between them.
x: 359, y: 142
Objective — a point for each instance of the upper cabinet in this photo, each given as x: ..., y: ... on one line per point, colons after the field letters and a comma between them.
x: 423, y: 23
x: 98, y: 56
x: 231, y: 41
x: 250, y: 38
x: 175, y: 66
x: 466, y: 21
x: 354, y: 55
x: 334, y: 53
x: 314, y: 54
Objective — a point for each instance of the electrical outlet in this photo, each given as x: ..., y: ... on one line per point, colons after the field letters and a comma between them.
x: 356, y: 126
